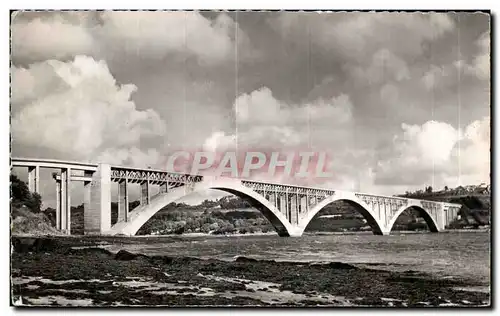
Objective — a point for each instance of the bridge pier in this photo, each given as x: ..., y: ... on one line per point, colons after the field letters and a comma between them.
x: 97, y: 217
x: 383, y: 232
x: 66, y: 200
x: 63, y: 201
x: 295, y: 233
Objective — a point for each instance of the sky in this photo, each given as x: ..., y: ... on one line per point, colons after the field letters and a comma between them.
x: 398, y: 101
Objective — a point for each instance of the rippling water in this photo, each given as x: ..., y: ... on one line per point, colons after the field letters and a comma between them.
x: 462, y: 254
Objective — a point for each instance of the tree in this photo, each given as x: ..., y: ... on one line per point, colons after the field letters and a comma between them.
x: 205, y: 228
x: 21, y: 195
x: 446, y: 188
x: 428, y: 189
x: 208, y: 204
x: 179, y: 227
x: 217, y: 214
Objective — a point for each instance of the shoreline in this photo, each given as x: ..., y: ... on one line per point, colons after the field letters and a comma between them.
x: 50, y: 271
x: 273, y: 233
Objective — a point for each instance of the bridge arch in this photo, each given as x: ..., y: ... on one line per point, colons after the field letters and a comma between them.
x: 350, y: 198
x: 429, y: 220
x: 140, y: 215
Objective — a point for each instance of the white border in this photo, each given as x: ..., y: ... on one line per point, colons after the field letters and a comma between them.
x: 255, y: 5
x: 188, y: 4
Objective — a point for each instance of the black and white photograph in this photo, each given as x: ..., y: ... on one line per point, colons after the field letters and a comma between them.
x: 250, y: 158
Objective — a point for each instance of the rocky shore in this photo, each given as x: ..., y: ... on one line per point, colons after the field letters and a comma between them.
x: 76, y: 272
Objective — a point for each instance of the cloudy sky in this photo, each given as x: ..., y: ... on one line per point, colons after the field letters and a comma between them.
x: 399, y: 101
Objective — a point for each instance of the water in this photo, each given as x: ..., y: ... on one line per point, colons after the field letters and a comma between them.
x: 448, y: 255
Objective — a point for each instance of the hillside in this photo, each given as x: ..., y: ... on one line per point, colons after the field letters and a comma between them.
x: 26, y: 217
x: 475, y: 201
x: 25, y: 222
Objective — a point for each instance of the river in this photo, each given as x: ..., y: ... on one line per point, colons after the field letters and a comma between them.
x: 448, y: 255
x: 419, y: 269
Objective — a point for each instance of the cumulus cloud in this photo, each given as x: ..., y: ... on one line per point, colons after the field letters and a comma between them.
x: 138, y: 34
x: 41, y: 39
x: 429, y: 144
x: 473, y: 155
x: 266, y: 124
x: 156, y: 34
x: 341, y: 83
x: 264, y: 121
x: 437, y: 151
x: 132, y: 156
x: 260, y: 107
x: 81, y: 111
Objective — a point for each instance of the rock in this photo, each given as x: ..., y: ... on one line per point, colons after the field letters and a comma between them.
x: 341, y: 265
x: 124, y: 255
x: 28, y: 244
x: 94, y: 251
x: 245, y: 259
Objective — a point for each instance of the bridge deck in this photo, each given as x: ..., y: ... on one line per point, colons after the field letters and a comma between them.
x: 179, y: 177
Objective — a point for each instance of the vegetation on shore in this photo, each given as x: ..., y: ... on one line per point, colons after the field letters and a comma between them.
x: 26, y: 215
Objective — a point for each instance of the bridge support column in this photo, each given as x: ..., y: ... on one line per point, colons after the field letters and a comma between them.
x: 164, y: 188
x: 145, y: 193
x: 86, y: 197
x: 272, y: 198
x: 302, y: 207
x: 282, y: 205
x: 377, y: 210
x: 58, y: 205
x: 123, y: 201
x: 97, y: 217
x: 64, y: 199
x: 383, y: 212
x: 294, y: 209
x: 34, y: 179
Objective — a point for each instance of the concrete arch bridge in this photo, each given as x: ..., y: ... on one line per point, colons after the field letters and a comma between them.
x: 289, y: 208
